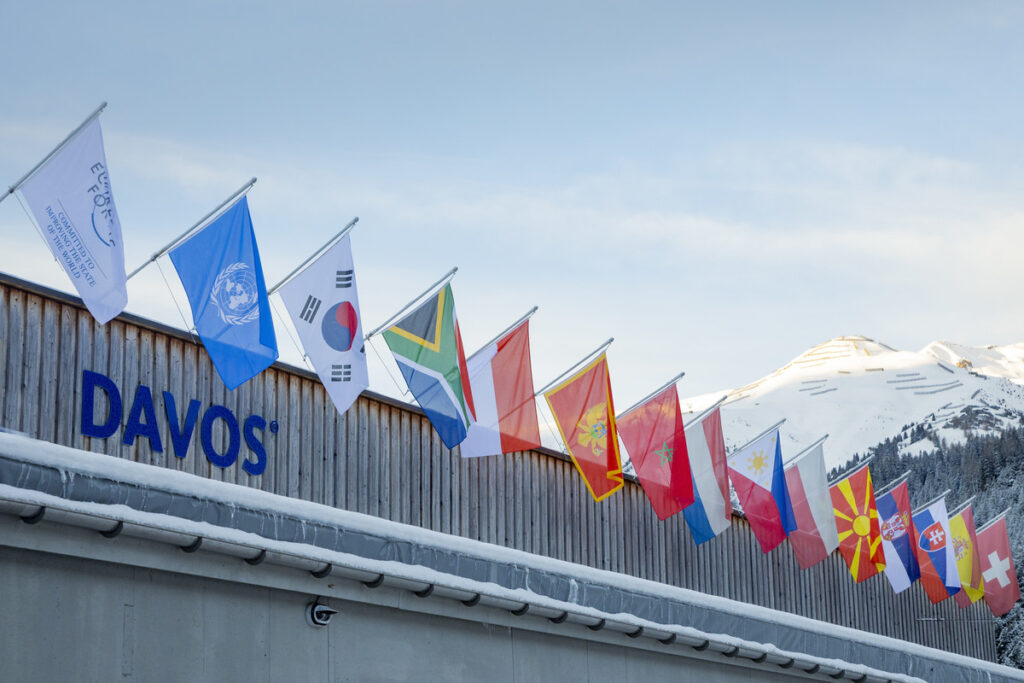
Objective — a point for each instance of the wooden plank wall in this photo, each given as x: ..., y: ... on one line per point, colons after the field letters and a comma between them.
x: 383, y: 458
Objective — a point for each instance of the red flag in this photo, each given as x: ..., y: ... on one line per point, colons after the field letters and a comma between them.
x: 654, y: 437
x: 583, y: 409
x: 1001, y: 588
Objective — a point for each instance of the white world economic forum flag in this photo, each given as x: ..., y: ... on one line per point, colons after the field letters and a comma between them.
x: 71, y: 202
x: 324, y: 306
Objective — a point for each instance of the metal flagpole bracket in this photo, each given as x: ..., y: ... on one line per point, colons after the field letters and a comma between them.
x: 590, y: 356
x: 529, y: 314
x: 200, y: 224
x: 317, y: 254
x: 893, y: 484
x: 649, y: 396
x: 805, y: 451
x: 14, y: 188
x: 429, y: 290
x: 995, y: 519
x: 852, y: 471
x: 704, y: 413
x: 932, y: 501
x: 960, y: 508
x: 762, y: 434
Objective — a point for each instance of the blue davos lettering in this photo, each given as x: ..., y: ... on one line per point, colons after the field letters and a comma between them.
x: 252, y: 423
x: 143, y: 405
x: 91, y: 381
x: 181, y: 437
x: 206, y: 429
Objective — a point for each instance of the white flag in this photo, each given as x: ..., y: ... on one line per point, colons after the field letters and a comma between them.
x: 323, y: 303
x: 70, y: 199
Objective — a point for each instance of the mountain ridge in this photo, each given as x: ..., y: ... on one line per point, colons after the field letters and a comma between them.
x: 862, y: 391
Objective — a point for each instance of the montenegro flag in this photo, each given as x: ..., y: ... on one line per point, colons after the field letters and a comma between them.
x: 860, y: 539
x: 583, y: 409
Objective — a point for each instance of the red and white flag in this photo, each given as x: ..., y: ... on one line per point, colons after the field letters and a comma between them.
x: 656, y: 443
x: 501, y: 379
x: 1001, y: 588
x: 815, y: 536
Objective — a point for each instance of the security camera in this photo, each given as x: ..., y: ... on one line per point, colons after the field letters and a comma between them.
x: 319, y: 615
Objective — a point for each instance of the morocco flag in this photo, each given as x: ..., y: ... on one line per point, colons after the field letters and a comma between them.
x: 656, y: 443
x: 583, y: 409
x: 860, y: 538
x: 1001, y: 588
x: 501, y: 379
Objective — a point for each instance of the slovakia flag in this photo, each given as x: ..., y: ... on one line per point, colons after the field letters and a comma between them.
x: 934, y: 547
x: 760, y: 483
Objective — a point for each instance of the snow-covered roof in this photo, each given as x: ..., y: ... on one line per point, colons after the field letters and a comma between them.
x: 41, y: 480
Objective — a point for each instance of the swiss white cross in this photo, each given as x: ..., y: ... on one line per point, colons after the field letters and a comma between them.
x: 936, y: 536
x: 998, y: 569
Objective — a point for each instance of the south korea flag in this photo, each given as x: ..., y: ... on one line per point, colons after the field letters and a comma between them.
x: 324, y: 306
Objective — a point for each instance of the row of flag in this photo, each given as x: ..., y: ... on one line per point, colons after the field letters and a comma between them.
x: 486, y: 403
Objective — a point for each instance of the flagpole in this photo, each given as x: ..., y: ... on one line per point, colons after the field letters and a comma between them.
x: 995, y: 519
x: 13, y: 188
x: 649, y: 396
x: 188, y: 233
x: 933, y: 500
x: 805, y: 451
x: 764, y: 433
x: 586, y: 358
x: 704, y: 413
x: 854, y: 470
x: 317, y: 254
x: 961, y: 506
x: 893, y: 484
x: 428, y: 290
x: 529, y: 314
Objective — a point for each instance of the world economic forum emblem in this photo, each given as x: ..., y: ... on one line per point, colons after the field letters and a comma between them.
x: 236, y: 295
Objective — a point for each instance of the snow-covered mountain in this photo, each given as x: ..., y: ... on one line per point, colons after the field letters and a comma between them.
x: 861, y: 392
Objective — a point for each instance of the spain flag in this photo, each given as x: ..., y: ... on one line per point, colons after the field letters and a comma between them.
x: 860, y: 539
x: 583, y: 409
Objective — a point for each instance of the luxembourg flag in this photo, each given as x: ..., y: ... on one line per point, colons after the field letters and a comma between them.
x: 939, y: 574
x: 711, y: 511
x: 760, y: 483
x: 501, y: 379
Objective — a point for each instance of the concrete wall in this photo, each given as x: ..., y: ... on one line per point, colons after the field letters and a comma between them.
x: 78, y: 619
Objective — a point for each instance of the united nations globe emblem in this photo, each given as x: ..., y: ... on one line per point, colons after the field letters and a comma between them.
x: 236, y: 295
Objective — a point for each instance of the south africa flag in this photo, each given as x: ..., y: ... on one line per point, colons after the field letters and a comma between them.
x: 428, y: 349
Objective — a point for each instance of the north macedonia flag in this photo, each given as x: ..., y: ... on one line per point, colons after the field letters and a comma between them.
x: 860, y: 539
x: 583, y: 409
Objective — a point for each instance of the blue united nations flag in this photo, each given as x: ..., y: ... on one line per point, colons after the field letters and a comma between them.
x: 220, y: 269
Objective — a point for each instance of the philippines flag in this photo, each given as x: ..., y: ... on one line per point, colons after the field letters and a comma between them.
x: 898, y: 537
x: 934, y: 548
x: 815, y: 536
x: 760, y: 483
x: 501, y: 379
x: 711, y: 510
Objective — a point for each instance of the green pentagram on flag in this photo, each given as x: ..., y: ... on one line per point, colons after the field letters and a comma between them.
x: 665, y: 453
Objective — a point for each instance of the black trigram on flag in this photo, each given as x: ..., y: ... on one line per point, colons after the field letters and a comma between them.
x: 341, y: 373
x: 309, y: 310
x: 343, y: 279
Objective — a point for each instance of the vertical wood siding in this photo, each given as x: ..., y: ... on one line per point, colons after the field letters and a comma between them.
x: 383, y: 458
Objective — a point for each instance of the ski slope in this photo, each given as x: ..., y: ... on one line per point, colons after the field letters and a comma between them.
x: 861, y: 391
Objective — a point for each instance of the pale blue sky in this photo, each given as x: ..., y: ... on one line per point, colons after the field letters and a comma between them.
x: 717, y: 185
